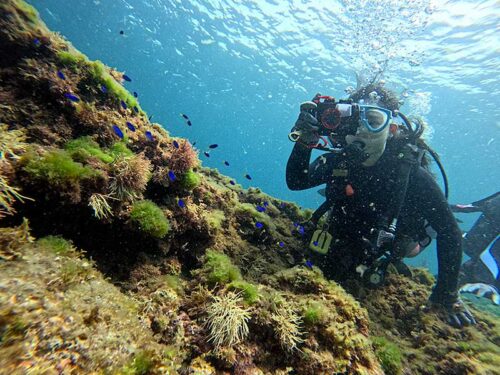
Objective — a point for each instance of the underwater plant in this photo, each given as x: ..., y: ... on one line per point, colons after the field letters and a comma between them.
x: 12, y: 239
x: 287, y: 327
x: 83, y: 148
x: 149, y: 218
x: 100, y: 205
x: 227, y: 320
x: 189, y: 180
x: 56, y: 245
x: 389, y: 355
x: 248, y: 290
x: 219, y: 268
x: 12, y: 142
x: 129, y: 176
x: 8, y: 196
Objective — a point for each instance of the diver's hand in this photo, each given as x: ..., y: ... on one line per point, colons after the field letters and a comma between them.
x: 355, y: 153
x: 306, y: 127
x: 455, y: 312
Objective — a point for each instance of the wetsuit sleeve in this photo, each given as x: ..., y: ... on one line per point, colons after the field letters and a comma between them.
x: 436, y: 210
x: 299, y: 174
x: 464, y: 208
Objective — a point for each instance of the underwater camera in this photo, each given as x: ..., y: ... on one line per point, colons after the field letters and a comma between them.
x: 337, y: 118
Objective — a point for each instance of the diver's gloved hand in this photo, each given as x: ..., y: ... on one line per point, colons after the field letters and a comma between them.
x: 306, y: 127
x: 455, y: 311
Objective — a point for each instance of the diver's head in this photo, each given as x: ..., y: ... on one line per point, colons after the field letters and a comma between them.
x: 376, y: 106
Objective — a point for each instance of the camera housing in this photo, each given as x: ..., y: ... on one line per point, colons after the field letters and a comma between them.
x: 336, y: 118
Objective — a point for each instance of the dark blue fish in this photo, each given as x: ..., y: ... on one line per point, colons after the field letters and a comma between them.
x: 61, y: 75
x: 122, y: 32
x: 295, y: 225
x: 248, y: 177
x: 226, y: 163
x: 72, y: 97
x: 181, y: 203
x: 171, y: 175
x: 135, y: 95
x: 127, y: 78
x: 136, y: 110
x: 259, y: 225
x: 315, y: 243
x: 150, y: 117
x: 213, y: 146
x: 130, y: 126
x: 206, y: 154
x: 193, y: 144
x: 282, y: 205
x: 36, y: 42
x: 309, y: 264
x: 281, y: 244
x: 104, y: 89
x: 123, y: 104
x: 176, y: 144
x: 189, y: 122
x: 232, y: 182
x: 185, y: 116
x: 260, y: 208
x: 300, y: 229
x: 118, y: 131
x: 149, y: 136
x: 266, y: 203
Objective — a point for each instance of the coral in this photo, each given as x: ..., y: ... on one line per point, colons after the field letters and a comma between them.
x: 100, y: 205
x: 129, y: 176
x: 149, y: 218
x: 189, y: 180
x: 389, y: 355
x: 227, y: 320
x: 218, y: 268
x: 13, y: 239
x: 12, y: 142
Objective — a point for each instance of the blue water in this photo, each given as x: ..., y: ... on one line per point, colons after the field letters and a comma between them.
x: 239, y: 70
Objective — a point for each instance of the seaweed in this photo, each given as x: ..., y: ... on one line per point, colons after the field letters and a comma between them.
x: 149, y: 218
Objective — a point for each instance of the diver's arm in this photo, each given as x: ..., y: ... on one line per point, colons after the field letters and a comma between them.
x: 449, y: 239
x: 299, y: 174
x: 464, y: 208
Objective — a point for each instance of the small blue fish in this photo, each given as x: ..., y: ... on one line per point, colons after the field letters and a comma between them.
x: 61, y: 75
x: 72, y: 97
x: 104, y: 89
x: 176, y: 144
x: 127, y: 78
x: 37, y: 42
x: 189, y: 122
x: 259, y: 225
x: 281, y: 244
x: 309, y: 264
x: 123, y: 104
x: 130, y: 126
x: 135, y: 94
x: 136, y: 110
x: 315, y: 243
x: 282, y: 205
x: 232, y: 182
x: 295, y: 225
x: 149, y: 135
x: 226, y: 163
x: 260, y: 208
x: 118, y: 131
x: 171, y: 175
x: 150, y: 118
x: 213, y: 146
x: 300, y: 229
x: 248, y: 177
x: 206, y: 154
x: 266, y: 203
x: 181, y: 203
x: 185, y: 116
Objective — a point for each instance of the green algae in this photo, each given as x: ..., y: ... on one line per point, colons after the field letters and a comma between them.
x: 56, y: 244
x: 249, y: 291
x: 149, y: 218
x: 83, y: 148
x: 389, y: 355
x: 189, y: 180
x: 219, y: 268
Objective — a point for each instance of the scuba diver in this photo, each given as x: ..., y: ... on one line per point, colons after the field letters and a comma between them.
x: 484, y: 236
x: 379, y: 195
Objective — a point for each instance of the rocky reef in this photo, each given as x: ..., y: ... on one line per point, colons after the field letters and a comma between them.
x: 121, y: 254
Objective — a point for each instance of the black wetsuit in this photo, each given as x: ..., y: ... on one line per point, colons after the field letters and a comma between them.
x: 484, y: 234
x: 356, y: 218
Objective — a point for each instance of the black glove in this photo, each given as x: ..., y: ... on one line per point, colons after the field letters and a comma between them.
x: 306, y: 127
x: 457, y: 314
